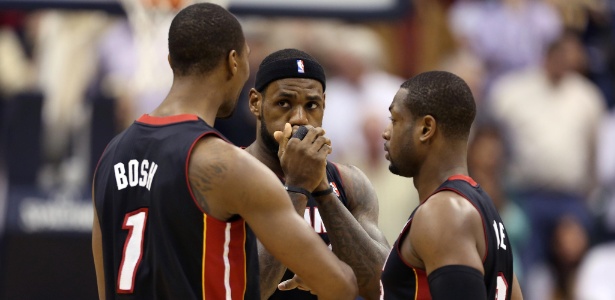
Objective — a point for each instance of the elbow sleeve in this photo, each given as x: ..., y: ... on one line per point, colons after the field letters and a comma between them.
x: 457, y: 282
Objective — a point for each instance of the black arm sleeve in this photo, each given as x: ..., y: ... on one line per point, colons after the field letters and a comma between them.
x: 457, y: 282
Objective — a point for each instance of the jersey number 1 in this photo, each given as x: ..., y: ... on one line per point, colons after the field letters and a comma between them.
x: 134, y: 222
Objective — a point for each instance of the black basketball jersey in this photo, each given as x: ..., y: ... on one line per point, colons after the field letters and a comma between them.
x: 312, y: 216
x: 157, y: 243
x: 400, y: 280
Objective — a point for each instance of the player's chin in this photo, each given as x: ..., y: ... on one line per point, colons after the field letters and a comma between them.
x: 393, y: 169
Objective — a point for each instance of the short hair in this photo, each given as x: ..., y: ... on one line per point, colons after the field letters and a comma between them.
x: 444, y: 96
x: 285, y: 64
x: 201, y: 35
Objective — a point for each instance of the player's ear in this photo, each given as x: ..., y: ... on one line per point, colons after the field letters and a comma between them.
x: 232, y: 64
x: 255, y: 102
x: 428, y: 128
x: 324, y: 100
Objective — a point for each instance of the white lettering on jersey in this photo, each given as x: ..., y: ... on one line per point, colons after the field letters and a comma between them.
x: 143, y: 178
x: 120, y: 176
x: 315, y: 222
x: 318, y: 225
x: 144, y: 167
x: 307, y: 217
x: 150, y: 176
x: 499, y: 234
x: 133, y: 169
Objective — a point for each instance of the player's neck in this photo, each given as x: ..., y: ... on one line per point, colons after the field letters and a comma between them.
x: 436, y: 170
x: 193, y: 96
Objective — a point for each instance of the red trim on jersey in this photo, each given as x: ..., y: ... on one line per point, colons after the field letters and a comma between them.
x: 402, y: 236
x: 224, y: 259
x: 152, y: 120
x: 237, y: 258
x: 422, y: 285
x: 465, y: 178
x: 336, y: 190
x: 338, y: 172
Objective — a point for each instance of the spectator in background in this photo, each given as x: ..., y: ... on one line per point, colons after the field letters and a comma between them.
x: 16, y: 66
x: 550, y: 115
x: 593, y: 19
x: 567, y: 247
x: 358, y: 89
x: 64, y: 51
x: 604, y: 204
x: 506, y: 35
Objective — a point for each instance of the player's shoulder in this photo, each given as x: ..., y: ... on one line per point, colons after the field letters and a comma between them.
x: 220, y: 170
x: 350, y: 173
x: 449, y: 206
x: 444, y: 218
x: 359, y: 190
x: 214, y: 152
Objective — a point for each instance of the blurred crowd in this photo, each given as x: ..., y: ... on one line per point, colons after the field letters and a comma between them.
x: 542, y: 73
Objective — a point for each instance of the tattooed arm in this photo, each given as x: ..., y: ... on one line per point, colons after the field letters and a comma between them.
x: 353, y: 232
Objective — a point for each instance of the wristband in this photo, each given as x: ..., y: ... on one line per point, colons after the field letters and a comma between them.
x: 300, y: 190
x: 323, y: 192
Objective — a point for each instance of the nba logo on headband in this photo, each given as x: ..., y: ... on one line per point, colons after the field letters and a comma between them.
x: 300, y: 66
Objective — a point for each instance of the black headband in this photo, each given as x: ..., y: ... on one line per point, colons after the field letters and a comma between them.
x: 289, y: 68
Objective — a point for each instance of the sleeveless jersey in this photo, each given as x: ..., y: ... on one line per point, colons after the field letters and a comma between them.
x: 312, y: 216
x: 157, y: 243
x: 400, y: 280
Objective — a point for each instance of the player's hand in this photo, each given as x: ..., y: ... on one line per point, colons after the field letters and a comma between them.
x: 304, y: 161
x: 294, y: 283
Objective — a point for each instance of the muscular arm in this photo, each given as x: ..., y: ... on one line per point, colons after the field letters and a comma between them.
x: 227, y: 181
x: 272, y: 270
x: 354, y: 235
x: 447, y: 230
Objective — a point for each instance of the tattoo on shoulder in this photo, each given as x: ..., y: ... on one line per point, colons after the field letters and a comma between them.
x: 205, y: 179
x: 357, y: 187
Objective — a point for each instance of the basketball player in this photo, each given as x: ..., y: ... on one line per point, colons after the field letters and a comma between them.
x: 177, y: 207
x: 454, y: 246
x: 343, y: 208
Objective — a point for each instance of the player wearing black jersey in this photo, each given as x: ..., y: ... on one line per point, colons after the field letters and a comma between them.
x: 454, y: 246
x: 290, y: 92
x: 176, y: 206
